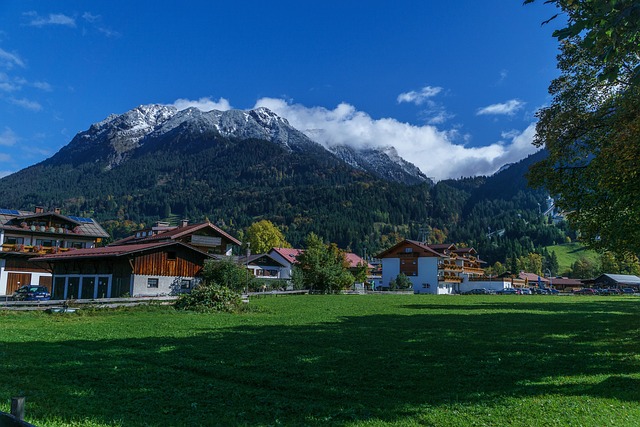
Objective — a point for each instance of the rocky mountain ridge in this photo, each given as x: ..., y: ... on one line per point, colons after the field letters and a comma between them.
x: 117, y: 138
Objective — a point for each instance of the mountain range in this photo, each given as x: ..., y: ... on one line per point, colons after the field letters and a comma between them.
x: 235, y: 167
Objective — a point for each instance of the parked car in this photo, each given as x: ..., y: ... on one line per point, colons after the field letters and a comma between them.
x: 585, y: 291
x: 552, y: 291
x: 481, y: 291
x: 507, y: 291
x: 627, y: 291
x: 32, y: 293
x: 525, y: 291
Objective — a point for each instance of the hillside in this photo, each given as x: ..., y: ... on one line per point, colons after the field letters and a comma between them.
x: 569, y: 253
x: 237, y: 167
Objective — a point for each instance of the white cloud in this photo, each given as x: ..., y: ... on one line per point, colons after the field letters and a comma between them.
x: 5, y: 158
x: 5, y: 173
x: 203, y: 104
x: 43, y: 86
x: 8, y: 137
x: 26, y: 104
x: 51, y: 19
x: 9, y: 60
x: 419, y: 97
x: 508, y: 108
x: 436, y: 152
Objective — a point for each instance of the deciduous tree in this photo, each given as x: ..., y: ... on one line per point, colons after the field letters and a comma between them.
x: 591, y: 129
x: 264, y: 235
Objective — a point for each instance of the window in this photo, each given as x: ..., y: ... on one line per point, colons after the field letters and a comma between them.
x: 13, y: 240
x: 408, y: 250
x: 185, y: 284
x: 171, y: 255
x: 152, y: 283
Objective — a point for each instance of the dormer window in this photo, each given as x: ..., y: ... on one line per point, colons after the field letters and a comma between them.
x: 408, y: 250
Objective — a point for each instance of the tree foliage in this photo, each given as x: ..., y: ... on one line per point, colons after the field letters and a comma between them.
x: 264, y: 235
x: 226, y: 273
x: 591, y: 130
x: 323, y: 266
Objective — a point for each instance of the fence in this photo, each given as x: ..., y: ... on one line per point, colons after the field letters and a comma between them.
x: 16, y: 417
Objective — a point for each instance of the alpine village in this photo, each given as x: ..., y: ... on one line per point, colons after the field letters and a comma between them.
x: 335, y: 213
x: 125, y: 228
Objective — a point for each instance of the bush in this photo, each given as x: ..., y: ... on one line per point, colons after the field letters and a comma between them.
x: 210, y: 298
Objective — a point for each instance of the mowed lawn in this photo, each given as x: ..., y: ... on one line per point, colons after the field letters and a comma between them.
x: 349, y: 360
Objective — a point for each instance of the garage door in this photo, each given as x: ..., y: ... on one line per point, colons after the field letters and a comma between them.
x: 15, y: 280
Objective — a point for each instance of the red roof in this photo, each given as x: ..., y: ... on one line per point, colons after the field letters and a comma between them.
x: 354, y: 260
x: 109, y: 251
x: 176, y: 232
x: 291, y: 255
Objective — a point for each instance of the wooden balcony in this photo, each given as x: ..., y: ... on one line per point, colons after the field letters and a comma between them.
x: 449, y: 266
x: 29, y: 249
x: 450, y: 278
x: 474, y: 270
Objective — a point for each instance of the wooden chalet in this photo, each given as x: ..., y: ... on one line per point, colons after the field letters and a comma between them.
x: 142, y: 269
x: 25, y: 235
x: 433, y: 269
x: 204, y: 237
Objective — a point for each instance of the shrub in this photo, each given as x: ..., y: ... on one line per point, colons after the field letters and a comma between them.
x: 210, y: 298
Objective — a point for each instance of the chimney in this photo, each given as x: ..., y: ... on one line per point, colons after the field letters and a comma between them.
x: 57, y: 211
x: 39, y: 209
x: 184, y: 223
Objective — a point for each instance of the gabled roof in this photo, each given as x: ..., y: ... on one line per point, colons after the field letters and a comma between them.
x: 255, y: 259
x: 290, y: 254
x: 88, y: 227
x: 626, y: 279
x: 173, y: 233
x: 354, y: 260
x: 420, y: 245
x: 532, y: 277
x: 112, y: 251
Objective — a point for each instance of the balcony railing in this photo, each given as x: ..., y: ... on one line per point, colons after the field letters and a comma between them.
x: 33, y: 249
x: 450, y: 278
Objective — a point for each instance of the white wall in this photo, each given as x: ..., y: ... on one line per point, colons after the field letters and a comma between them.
x: 390, y: 270
x: 426, y: 282
x: 167, y: 285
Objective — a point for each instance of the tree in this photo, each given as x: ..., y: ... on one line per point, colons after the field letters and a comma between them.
x: 592, y: 126
x: 226, y: 273
x: 324, y: 267
x: 401, y: 282
x: 264, y: 235
x: 584, y: 268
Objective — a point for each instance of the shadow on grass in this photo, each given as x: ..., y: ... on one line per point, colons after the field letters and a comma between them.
x: 377, y: 367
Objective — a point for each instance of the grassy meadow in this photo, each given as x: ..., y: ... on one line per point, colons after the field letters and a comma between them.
x: 569, y: 253
x: 348, y: 360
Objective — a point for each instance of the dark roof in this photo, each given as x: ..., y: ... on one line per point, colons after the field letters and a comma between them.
x: 413, y: 242
x: 112, y: 251
x: 624, y: 279
x: 253, y: 258
x: 173, y: 233
x: 88, y: 227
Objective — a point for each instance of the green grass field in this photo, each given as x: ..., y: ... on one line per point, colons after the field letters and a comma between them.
x: 351, y: 360
x: 569, y: 253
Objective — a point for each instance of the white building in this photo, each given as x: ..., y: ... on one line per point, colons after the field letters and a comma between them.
x: 434, y: 269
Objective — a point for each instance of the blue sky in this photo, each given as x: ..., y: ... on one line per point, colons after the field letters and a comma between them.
x: 453, y: 86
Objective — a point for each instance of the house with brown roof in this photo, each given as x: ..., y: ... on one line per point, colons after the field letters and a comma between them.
x: 25, y: 235
x: 433, y: 269
x: 204, y: 236
x: 138, y: 269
